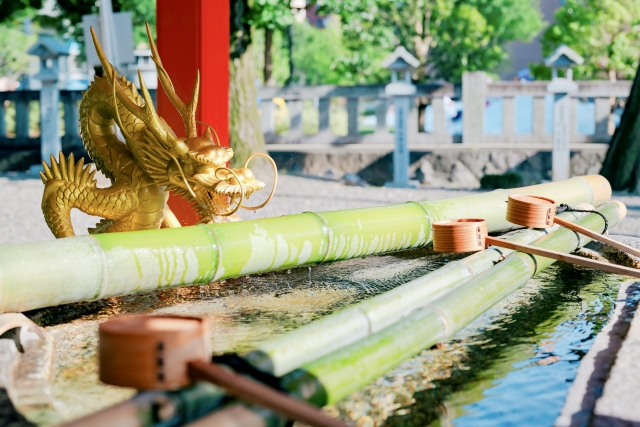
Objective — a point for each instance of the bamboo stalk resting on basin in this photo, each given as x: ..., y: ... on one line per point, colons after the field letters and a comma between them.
x: 284, y: 353
x: 342, y: 372
x: 87, y: 268
x: 333, y: 376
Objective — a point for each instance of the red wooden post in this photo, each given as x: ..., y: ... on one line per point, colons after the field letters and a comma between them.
x: 194, y: 35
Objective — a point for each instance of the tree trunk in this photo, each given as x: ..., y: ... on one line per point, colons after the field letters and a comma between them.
x: 290, y: 47
x: 622, y: 163
x: 245, y: 135
x: 268, y: 63
x: 611, y: 126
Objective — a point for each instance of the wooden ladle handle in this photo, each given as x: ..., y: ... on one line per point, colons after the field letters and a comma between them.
x: 260, y: 394
x: 560, y: 256
x: 599, y: 237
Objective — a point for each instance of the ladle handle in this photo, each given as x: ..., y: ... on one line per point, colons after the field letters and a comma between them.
x: 260, y: 394
x: 599, y: 237
x: 560, y: 256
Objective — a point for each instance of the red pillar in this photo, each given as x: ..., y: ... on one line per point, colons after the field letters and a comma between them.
x: 194, y: 35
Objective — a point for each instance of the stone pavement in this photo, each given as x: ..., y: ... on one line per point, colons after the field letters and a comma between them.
x: 606, y: 390
x: 21, y: 219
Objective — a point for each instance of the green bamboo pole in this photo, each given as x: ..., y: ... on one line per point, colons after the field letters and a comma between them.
x: 163, y: 408
x: 336, y: 375
x: 344, y: 327
x: 87, y: 268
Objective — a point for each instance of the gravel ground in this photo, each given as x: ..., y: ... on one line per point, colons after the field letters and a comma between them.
x: 250, y: 309
x: 22, y: 221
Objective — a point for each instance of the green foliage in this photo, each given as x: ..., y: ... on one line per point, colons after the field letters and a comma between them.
x: 14, y: 43
x: 605, y: 32
x: 447, y: 36
x: 272, y: 14
x: 368, y: 35
x: 506, y: 180
x: 472, y: 37
x: 67, y: 19
x: 280, y: 55
x: 317, y: 54
x: 465, y: 44
x: 10, y: 9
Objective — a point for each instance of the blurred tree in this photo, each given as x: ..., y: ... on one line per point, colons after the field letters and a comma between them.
x: 447, y: 36
x: 270, y: 16
x: 605, y: 32
x: 621, y: 166
x: 14, y: 43
x: 317, y: 53
x: 9, y: 9
x: 245, y: 136
x: 279, y: 56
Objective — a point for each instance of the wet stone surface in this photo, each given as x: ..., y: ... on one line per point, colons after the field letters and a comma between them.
x: 512, y: 365
x: 242, y: 313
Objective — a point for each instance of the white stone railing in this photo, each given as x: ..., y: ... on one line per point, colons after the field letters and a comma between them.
x: 474, y: 92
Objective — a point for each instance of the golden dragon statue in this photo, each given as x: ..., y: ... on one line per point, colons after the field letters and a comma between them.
x: 144, y: 159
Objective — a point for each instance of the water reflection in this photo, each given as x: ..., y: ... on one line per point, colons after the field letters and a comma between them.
x: 514, y: 365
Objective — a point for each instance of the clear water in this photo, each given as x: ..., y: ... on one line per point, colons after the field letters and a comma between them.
x: 511, y: 366
x: 515, y: 364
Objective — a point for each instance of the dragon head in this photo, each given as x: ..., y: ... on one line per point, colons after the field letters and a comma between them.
x: 193, y: 166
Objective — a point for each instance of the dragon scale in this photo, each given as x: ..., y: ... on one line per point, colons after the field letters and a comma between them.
x: 144, y: 159
x: 132, y: 202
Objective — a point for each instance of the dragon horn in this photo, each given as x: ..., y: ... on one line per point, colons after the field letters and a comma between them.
x: 112, y: 77
x: 109, y: 70
x: 187, y: 111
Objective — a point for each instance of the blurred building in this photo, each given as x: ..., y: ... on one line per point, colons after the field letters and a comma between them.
x: 522, y: 54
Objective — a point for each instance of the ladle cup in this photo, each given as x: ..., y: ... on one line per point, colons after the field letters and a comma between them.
x: 170, y: 352
x: 540, y: 212
x: 470, y: 235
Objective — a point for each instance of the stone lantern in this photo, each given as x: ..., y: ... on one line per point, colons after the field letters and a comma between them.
x: 403, y: 93
x: 53, y: 55
x: 562, y: 87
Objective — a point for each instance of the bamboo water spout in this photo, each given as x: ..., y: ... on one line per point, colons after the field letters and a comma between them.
x: 282, y: 354
x: 88, y: 268
x: 333, y: 376
x: 336, y: 375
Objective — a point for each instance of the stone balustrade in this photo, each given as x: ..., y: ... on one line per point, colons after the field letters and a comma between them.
x: 474, y: 91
